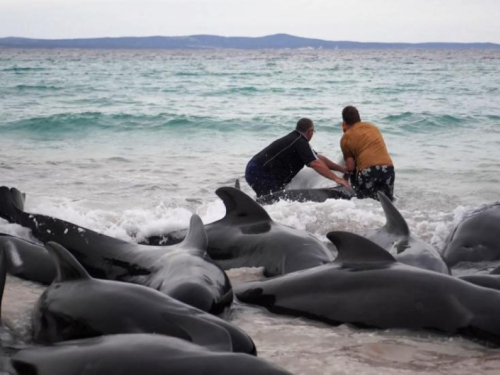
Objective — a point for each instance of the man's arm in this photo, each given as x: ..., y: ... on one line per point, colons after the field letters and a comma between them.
x: 350, y: 164
x: 331, y: 165
x: 320, y: 167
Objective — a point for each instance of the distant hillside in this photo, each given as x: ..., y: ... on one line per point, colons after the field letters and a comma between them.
x: 216, y: 42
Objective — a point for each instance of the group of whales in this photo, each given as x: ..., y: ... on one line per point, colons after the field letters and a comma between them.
x: 385, y: 279
x: 158, y: 322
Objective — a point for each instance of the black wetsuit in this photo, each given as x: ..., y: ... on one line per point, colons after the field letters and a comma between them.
x: 275, y: 166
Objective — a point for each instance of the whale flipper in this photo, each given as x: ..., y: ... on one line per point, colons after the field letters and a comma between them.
x: 196, y: 238
x: 68, y: 268
x: 357, y: 249
x: 395, y: 222
x: 240, y: 207
x: 218, y: 340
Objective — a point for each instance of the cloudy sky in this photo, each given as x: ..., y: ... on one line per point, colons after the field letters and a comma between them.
x: 356, y: 20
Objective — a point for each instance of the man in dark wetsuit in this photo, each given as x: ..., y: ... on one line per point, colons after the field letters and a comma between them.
x: 275, y: 166
x: 366, y: 157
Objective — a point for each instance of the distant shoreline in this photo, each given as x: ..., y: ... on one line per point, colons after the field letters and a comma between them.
x: 198, y: 42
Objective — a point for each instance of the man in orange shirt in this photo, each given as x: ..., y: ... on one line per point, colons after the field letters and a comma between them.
x: 366, y: 156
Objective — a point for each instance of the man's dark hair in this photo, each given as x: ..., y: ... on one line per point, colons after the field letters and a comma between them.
x: 350, y: 115
x: 304, y: 124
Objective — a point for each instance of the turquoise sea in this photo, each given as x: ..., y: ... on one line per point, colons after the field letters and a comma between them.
x: 131, y: 143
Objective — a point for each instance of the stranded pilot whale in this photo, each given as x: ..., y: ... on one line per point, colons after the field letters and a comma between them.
x: 307, y: 195
x: 247, y: 237
x: 309, y: 186
x: 180, y: 271
x: 365, y: 286
x: 132, y: 354
x: 395, y: 237
x: 78, y: 306
x: 476, y: 238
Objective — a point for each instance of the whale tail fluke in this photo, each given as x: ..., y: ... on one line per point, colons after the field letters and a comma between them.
x: 18, y: 198
x: 11, y: 202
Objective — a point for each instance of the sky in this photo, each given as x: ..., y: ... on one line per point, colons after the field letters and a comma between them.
x: 412, y: 21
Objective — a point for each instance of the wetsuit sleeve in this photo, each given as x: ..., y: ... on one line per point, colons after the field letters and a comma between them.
x: 306, y: 153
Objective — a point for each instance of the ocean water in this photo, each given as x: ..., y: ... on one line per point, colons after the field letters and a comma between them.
x: 131, y: 143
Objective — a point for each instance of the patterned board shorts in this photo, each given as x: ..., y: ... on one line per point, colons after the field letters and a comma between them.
x: 370, y: 180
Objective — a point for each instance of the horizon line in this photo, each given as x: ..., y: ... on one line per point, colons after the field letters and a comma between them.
x: 239, y: 36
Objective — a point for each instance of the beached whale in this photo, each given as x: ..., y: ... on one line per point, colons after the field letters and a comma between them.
x: 78, y: 306
x: 133, y: 354
x: 309, y: 186
x: 27, y: 260
x: 307, y: 195
x: 476, y: 238
x: 395, y: 237
x: 365, y: 286
x: 179, y: 271
x: 247, y: 237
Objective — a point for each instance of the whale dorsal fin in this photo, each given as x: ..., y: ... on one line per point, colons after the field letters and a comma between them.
x: 395, y: 222
x: 196, y: 237
x: 241, y: 206
x: 67, y: 266
x: 353, y: 248
x: 237, y: 184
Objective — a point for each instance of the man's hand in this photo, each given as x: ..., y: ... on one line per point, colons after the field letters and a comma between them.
x: 344, y: 183
x: 323, y: 170
x: 344, y: 170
